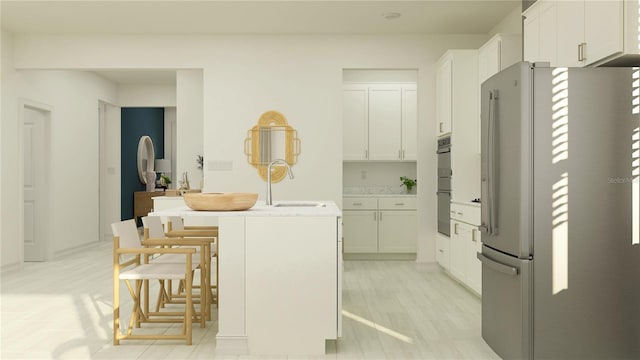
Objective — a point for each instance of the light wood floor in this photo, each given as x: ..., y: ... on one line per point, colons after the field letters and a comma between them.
x: 61, y: 309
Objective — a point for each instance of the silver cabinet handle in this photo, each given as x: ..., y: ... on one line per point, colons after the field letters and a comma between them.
x: 400, y: 154
x: 442, y: 251
x: 441, y: 123
x: 375, y: 216
x: 455, y: 228
x: 380, y: 217
x: 357, y: 204
x: 399, y: 204
x: 403, y: 154
x: 473, y: 235
x: 581, y: 56
x: 366, y: 154
x: 459, y: 213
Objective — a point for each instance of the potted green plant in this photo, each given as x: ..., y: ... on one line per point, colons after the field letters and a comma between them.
x: 408, y: 183
x: 164, y: 181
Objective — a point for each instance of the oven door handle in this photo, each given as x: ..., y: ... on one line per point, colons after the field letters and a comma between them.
x: 443, y: 192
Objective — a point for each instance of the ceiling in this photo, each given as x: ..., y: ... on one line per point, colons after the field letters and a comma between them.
x: 248, y: 17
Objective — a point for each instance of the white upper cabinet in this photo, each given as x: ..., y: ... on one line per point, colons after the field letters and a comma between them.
x: 582, y: 33
x: 589, y: 31
x: 385, y: 116
x: 501, y: 51
x: 444, y: 76
x: 380, y: 122
x: 409, y: 122
x: 540, y: 32
x: 355, y: 122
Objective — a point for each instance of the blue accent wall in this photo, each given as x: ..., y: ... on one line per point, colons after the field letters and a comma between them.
x: 135, y: 123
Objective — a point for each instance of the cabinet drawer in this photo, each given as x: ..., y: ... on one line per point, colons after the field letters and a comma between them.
x: 400, y: 203
x: 359, y: 204
x: 465, y: 213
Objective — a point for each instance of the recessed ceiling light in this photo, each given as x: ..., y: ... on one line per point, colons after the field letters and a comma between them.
x: 391, y: 15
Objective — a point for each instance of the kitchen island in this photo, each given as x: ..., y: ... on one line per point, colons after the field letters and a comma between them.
x: 280, y: 274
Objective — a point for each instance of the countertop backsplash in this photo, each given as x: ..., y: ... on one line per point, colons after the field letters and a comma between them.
x: 375, y: 190
x: 377, y: 178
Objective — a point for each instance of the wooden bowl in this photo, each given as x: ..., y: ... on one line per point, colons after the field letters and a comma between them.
x: 220, y: 201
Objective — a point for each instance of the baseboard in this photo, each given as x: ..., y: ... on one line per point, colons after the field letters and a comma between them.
x: 74, y: 250
x: 231, y: 345
x: 379, y: 256
x: 11, y: 267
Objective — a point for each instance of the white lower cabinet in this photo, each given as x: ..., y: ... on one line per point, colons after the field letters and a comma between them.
x: 385, y: 225
x: 360, y: 231
x: 397, y: 231
x: 443, y: 251
x: 464, y: 244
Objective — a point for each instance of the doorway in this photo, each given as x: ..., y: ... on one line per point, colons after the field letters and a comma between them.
x: 36, y: 120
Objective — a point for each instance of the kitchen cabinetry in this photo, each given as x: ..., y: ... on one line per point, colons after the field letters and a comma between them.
x: 385, y: 225
x: 540, y: 32
x: 464, y: 245
x: 355, y: 122
x: 459, y: 99
x: 443, y: 96
x: 582, y: 33
x: 588, y: 31
x: 501, y: 51
x: 379, y: 122
x: 443, y: 252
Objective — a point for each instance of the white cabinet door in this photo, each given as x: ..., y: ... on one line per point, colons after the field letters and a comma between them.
x: 360, y: 231
x: 570, y: 34
x: 444, y: 77
x: 385, y: 114
x: 540, y: 35
x: 397, y: 231
x: 473, y: 266
x: 603, y: 29
x: 442, y: 251
x: 589, y: 31
x: 489, y: 59
x: 458, y: 250
x: 355, y: 122
x: 531, y: 34
x: 409, y: 122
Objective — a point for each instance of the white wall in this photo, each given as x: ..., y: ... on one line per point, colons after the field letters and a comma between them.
x: 189, y: 126
x: 511, y: 24
x: 73, y: 214
x: 130, y: 95
x: 244, y: 76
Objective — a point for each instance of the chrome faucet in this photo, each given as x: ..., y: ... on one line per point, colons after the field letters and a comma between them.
x: 269, y: 199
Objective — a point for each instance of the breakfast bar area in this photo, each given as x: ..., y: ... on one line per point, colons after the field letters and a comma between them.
x: 280, y: 276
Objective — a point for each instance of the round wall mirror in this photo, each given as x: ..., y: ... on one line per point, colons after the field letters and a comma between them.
x: 146, y: 157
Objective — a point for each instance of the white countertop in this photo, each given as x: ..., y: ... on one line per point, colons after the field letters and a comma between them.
x: 467, y: 203
x: 260, y: 209
x: 379, y: 195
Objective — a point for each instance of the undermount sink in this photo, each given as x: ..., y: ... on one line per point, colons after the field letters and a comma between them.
x: 301, y: 204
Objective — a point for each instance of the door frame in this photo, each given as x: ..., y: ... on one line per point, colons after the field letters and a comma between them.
x: 47, y: 110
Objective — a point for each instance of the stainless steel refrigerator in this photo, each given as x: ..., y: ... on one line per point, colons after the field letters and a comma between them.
x: 561, y: 212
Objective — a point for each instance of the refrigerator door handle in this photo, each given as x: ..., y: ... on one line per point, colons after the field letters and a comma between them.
x: 490, y: 206
x: 499, y: 267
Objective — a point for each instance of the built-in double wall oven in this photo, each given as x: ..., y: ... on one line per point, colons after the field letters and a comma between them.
x: 444, y: 184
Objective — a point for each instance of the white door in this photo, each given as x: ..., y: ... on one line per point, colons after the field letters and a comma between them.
x: 109, y: 117
x: 34, y: 180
